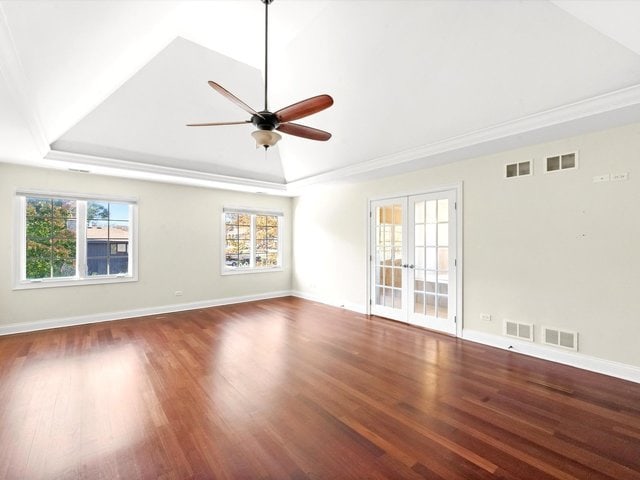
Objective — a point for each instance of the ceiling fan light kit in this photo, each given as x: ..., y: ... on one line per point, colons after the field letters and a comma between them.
x: 266, y: 138
x: 266, y: 121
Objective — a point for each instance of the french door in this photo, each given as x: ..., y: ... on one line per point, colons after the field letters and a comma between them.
x: 413, y: 260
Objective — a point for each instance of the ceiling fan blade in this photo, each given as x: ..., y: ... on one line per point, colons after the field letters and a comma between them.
x: 304, y: 131
x: 226, y: 93
x: 216, y: 124
x: 304, y: 108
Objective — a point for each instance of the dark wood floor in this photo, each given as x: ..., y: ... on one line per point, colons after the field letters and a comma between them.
x: 292, y: 389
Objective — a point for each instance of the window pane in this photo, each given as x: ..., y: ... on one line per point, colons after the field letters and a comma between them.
x: 443, y: 307
x: 419, y: 235
x: 430, y: 307
x: 50, y: 237
x: 443, y: 234
x: 97, y: 210
x: 272, y: 259
x: 431, y: 211
x: 39, y: 207
x: 118, y: 265
x: 97, y: 265
x: 431, y: 235
x: 64, y: 247
x: 397, y: 298
x: 419, y: 260
x: 431, y: 259
x: 64, y: 267
x: 64, y: 209
x: 107, y: 238
x: 418, y: 306
x: 443, y: 210
x: 419, y: 212
x: 39, y: 267
x: 443, y: 259
x: 119, y: 211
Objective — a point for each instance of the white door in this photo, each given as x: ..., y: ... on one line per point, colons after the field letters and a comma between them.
x: 413, y: 260
x: 388, y: 254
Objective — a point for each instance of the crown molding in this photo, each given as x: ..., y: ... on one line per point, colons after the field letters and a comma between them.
x: 12, y: 71
x: 144, y: 171
x: 600, y: 104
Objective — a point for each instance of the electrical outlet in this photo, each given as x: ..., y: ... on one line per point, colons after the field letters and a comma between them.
x: 601, y: 178
x: 618, y: 177
x: 485, y: 317
x: 178, y: 293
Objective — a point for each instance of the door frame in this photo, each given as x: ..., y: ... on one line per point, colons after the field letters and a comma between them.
x: 458, y: 189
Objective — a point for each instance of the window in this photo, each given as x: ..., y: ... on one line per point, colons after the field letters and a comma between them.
x: 65, y: 240
x: 252, y: 240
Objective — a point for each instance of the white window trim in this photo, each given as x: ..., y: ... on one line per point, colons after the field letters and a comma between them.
x: 224, y: 270
x: 20, y: 234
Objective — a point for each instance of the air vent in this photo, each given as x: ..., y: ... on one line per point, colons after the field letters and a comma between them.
x: 560, y: 338
x: 564, y: 161
x: 523, y: 331
x: 519, y: 169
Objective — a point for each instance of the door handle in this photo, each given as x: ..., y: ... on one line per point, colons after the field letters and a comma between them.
x: 411, y: 266
x: 405, y: 265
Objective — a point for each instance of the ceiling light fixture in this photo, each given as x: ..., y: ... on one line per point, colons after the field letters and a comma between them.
x: 265, y: 138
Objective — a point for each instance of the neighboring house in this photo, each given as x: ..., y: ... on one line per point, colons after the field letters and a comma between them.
x: 107, y: 250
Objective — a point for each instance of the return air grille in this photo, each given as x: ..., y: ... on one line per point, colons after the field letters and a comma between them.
x: 564, y: 161
x: 523, y: 331
x: 560, y: 338
x: 519, y: 169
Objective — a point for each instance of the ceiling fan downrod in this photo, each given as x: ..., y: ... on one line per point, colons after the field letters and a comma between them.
x: 266, y: 50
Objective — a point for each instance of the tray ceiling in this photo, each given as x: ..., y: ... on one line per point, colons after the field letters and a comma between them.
x: 109, y: 86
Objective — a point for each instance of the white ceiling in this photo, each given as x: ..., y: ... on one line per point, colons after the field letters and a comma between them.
x: 108, y: 86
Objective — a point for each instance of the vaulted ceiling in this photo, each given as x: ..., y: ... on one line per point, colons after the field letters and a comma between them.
x: 109, y: 86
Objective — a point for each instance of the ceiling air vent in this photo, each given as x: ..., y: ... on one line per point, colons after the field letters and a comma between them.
x: 523, y: 331
x: 565, y: 161
x: 518, y: 169
x: 560, y: 338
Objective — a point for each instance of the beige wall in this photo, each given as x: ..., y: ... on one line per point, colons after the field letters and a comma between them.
x: 179, y: 248
x: 550, y: 249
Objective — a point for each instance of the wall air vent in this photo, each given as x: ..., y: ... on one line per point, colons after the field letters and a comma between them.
x: 518, y: 169
x: 564, y: 161
x: 523, y: 331
x: 560, y: 338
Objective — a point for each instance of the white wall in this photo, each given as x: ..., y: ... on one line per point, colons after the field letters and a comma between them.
x: 179, y: 248
x: 550, y: 249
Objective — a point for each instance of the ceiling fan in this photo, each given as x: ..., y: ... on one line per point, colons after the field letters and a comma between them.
x: 266, y: 121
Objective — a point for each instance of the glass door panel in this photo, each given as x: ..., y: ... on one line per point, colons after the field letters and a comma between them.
x: 433, y: 230
x: 388, y: 280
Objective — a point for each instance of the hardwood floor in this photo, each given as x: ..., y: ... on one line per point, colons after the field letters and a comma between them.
x: 287, y: 388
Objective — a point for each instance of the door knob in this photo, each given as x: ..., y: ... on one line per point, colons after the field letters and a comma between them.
x: 405, y: 265
x: 411, y: 266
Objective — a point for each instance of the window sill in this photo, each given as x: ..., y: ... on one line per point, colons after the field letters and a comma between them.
x: 73, y: 282
x: 244, y: 271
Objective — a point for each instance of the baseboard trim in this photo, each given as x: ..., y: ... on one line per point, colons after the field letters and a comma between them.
x: 140, y: 312
x: 354, y: 307
x: 585, y: 362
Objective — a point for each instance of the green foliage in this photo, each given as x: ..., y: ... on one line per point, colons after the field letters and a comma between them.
x: 51, y: 237
x: 97, y: 211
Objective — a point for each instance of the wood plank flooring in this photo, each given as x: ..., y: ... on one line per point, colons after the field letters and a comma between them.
x: 288, y: 388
